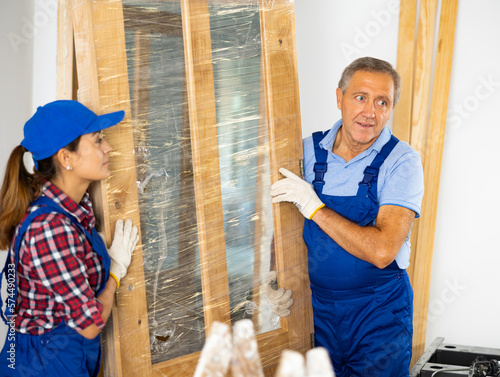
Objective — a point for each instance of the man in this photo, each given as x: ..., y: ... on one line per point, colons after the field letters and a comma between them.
x: 361, y: 192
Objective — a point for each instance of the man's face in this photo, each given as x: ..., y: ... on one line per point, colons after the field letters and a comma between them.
x: 366, y: 107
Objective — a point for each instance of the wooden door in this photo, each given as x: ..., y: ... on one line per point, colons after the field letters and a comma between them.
x: 210, y: 91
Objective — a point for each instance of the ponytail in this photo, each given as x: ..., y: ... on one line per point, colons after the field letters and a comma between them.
x: 20, y: 188
x: 15, y: 196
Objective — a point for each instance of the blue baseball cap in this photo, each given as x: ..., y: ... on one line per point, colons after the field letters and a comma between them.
x: 58, y: 123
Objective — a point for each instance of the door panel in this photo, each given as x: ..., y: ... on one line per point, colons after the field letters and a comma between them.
x: 211, y: 99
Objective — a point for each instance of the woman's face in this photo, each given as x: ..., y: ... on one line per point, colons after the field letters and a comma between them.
x: 91, y: 160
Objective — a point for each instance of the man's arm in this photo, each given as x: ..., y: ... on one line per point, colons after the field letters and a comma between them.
x: 377, y: 244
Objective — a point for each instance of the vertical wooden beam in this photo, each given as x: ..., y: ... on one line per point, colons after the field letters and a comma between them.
x: 103, y: 87
x: 402, y: 118
x: 64, y: 51
x: 86, y: 62
x: 427, y: 17
x: 205, y: 151
x: 283, y: 119
x: 405, y: 66
x: 432, y: 170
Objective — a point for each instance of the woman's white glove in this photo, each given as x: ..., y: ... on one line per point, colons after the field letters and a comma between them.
x: 280, y: 299
x: 297, y: 191
x: 120, y: 252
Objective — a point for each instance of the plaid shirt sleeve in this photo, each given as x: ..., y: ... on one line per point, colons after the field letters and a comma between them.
x: 58, y: 254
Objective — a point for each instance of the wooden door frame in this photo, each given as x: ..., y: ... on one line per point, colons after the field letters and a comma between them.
x: 103, y: 86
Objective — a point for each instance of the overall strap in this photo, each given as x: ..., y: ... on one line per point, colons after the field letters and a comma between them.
x: 371, y: 172
x: 320, y: 166
x: 47, y: 205
x: 93, y: 237
x: 12, y: 281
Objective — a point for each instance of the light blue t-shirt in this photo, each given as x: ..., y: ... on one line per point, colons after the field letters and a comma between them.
x: 400, y: 179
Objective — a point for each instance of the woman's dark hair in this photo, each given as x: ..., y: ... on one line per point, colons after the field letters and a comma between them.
x: 20, y: 188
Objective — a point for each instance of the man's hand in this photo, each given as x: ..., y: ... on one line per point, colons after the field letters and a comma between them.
x: 297, y: 191
x: 120, y: 252
x: 279, y: 299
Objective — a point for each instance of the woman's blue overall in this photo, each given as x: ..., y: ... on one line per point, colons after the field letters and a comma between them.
x: 362, y: 314
x: 60, y: 352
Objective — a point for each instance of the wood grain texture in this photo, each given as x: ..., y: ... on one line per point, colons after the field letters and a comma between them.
x: 65, y: 51
x: 205, y: 153
x: 103, y: 87
x: 285, y: 145
x: 405, y: 66
x: 423, y: 74
x: 432, y: 170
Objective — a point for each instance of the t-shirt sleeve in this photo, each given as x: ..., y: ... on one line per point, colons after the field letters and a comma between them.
x: 309, y: 160
x: 404, y: 183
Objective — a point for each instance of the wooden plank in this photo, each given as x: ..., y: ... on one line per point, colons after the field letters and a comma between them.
x: 86, y: 62
x: 64, y: 51
x: 422, y: 77
x: 122, y: 193
x: 205, y: 152
x: 405, y: 67
x: 411, y: 114
x: 414, y: 250
x: 103, y: 87
x: 88, y: 94
x: 432, y: 170
x: 285, y: 150
x: 402, y: 121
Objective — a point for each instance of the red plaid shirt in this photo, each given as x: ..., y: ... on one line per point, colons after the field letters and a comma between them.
x: 58, y: 272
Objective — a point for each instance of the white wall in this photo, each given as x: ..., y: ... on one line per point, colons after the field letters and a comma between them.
x: 28, y: 48
x: 464, y: 302
x: 16, y: 72
x: 331, y: 34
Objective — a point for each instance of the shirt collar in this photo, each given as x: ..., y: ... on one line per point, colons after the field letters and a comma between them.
x: 82, y: 211
x: 328, y: 141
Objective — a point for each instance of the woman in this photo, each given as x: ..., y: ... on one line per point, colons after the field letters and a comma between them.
x: 58, y: 270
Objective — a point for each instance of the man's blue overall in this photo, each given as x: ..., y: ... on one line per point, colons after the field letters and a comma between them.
x: 362, y: 314
x: 60, y: 352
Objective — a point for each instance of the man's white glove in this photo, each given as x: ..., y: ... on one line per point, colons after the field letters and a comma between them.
x: 279, y: 299
x: 297, y: 191
x: 120, y: 252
